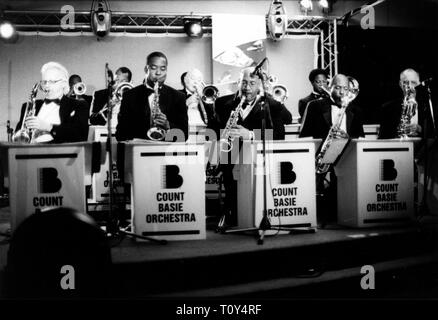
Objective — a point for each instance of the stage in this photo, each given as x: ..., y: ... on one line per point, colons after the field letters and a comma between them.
x: 325, y: 264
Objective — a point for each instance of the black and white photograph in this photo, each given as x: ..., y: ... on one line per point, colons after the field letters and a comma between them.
x: 219, y: 159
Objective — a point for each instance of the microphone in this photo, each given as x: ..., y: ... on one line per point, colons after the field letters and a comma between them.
x: 258, y: 67
x: 109, y: 76
x: 424, y: 83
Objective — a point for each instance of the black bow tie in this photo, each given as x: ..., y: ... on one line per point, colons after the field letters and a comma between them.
x: 57, y: 101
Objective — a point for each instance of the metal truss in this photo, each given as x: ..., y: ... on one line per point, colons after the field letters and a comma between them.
x: 142, y: 22
x: 132, y: 22
x: 325, y: 28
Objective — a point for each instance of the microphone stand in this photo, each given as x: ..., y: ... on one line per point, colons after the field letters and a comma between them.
x: 113, y: 220
x: 428, y: 110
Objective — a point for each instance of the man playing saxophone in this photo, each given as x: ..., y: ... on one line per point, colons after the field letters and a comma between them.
x: 57, y: 118
x: 404, y: 116
x: 328, y: 119
x: 321, y: 114
x: 249, y: 120
x: 166, y: 104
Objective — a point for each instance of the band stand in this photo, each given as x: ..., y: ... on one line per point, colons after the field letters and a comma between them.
x: 423, y: 209
x: 265, y: 223
x: 113, y: 218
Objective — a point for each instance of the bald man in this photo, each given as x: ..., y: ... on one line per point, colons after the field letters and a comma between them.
x: 391, y: 111
x: 319, y: 114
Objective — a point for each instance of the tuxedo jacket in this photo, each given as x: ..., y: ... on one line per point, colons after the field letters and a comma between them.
x: 302, y: 103
x: 277, y: 116
x: 100, y: 99
x: 74, y: 120
x: 134, y: 119
x: 390, y: 118
x: 318, y: 120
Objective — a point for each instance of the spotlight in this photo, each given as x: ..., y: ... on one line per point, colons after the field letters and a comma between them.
x: 193, y: 28
x: 100, y: 18
x: 306, y: 5
x: 277, y: 20
x: 324, y: 4
x: 8, y: 33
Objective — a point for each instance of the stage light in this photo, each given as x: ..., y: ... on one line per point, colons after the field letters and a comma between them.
x: 100, y: 18
x: 306, y: 6
x: 193, y: 28
x: 8, y: 33
x: 324, y: 4
x: 277, y: 20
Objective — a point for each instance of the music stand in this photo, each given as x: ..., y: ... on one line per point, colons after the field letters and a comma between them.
x: 113, y: 220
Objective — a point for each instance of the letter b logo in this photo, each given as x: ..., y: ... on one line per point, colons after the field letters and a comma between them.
x: 287, y: 175
x: 387, y: 170
x: 48, y: 179
x: 172, y: 179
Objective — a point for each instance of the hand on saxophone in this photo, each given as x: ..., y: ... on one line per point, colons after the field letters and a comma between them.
x: 340, y: 134
x: 39, y: 124
x: 240, y: 131
x: 161, y: 120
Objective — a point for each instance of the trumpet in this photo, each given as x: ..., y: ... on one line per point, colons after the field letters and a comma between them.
x: 210, y: 94
x: 116, y: 99
x: 25, y: 135
x: 280, y: 93
x: 79, y: 88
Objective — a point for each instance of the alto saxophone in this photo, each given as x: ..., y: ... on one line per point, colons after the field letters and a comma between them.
x: 409, y: 107
x: 156, y: 133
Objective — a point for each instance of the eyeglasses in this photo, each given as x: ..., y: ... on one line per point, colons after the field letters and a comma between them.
x: 49, y: 82
x: 320, y: 81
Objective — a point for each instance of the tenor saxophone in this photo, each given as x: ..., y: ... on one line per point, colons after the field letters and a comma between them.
x: 226, y: 141
x: 409, y: 107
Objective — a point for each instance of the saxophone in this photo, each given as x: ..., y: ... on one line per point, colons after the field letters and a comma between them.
x: 156, y: 133
x: 25, y: 135
x: 409, y: 108
x: 335, y: 129
x: 226, y: 141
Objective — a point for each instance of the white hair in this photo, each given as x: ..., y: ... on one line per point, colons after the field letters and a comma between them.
x: 62, y: 71
x: 404, y: 73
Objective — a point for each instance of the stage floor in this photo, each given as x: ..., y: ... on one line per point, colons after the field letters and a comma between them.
x: 234, y: 265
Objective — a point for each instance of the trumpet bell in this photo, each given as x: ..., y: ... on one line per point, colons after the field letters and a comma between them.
x: 210, y: 94
x: 79, y: 88
x: 280, y: 93
x: 121, y: 88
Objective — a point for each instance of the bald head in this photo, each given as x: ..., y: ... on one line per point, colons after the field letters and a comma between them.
x: 339, y: 88
x: 409, y: 77
x: 249, y: 84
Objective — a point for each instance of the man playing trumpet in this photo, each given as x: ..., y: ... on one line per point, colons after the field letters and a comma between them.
x: 199, y: 112
x: 57, y: 118
x: 99, y: 110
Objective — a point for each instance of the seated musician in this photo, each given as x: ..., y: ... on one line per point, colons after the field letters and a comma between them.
x: 250, y: 119
x: 73, y: 81
x: 57, y: 118
x: 99, y: 112
x: 143, y: 109
x: 199, y: 112
x: 391, y: 113
x: 319, y: 82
